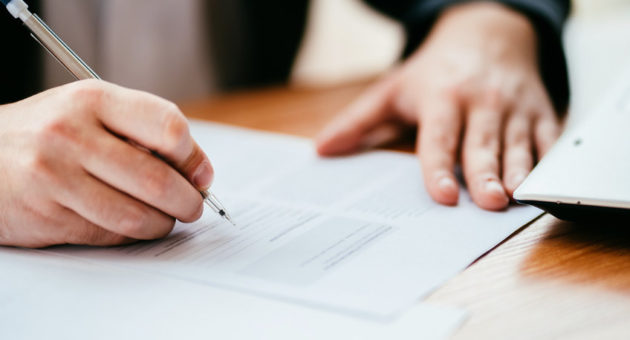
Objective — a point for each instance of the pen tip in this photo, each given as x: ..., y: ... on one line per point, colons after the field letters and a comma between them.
x: 227, y: 217
x: 230, y: 220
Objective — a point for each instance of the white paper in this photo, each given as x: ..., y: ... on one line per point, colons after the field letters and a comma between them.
x: 355, y: 234
x: 43, y: 296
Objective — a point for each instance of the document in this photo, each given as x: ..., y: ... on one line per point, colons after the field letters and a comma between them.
x: 354, y: 234
x: 49, y: 297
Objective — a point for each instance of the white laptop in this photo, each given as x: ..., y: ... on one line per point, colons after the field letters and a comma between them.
x: 587, y: 172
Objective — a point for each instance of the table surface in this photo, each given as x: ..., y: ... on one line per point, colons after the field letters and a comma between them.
x: 550, y: 280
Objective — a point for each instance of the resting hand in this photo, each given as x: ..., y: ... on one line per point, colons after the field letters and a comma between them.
x: 474, y: 92
x: 67, y: 175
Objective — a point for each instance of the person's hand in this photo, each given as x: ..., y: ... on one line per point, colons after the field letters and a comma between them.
x: 75, y: 167
x: 475, y: 93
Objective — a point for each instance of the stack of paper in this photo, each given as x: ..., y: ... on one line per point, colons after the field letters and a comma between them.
x: 357, y: 236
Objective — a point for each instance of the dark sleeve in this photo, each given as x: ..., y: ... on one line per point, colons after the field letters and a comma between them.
x: 547, y: 16
x: 254, y: 43
x: 20, y: 59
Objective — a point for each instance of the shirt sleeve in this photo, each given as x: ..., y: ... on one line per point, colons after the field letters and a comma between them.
x: 547, y: 17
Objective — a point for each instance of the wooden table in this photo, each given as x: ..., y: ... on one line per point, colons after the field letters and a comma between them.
x: 550, y: 280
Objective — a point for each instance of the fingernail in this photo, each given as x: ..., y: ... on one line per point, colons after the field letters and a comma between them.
x: 447, y: 184
x: 494, y: 187
x: 203, y: 175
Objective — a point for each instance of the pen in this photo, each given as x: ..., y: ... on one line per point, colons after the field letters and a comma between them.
x: 79, y: 69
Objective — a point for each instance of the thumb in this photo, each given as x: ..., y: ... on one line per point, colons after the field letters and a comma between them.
x: 352, y: 129
x: 196, y: 168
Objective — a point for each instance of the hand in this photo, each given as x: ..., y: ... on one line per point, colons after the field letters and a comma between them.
x: 474, y: 92
x: 68, y: 175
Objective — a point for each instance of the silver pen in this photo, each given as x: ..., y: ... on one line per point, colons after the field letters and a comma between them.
x: 79, y: 69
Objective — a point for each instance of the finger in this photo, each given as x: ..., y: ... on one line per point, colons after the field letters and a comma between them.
x: 546, y: 133
x: 142, y: 176
x: 518, y: 159
x: 152, y: 122
x: 384, y: 134
x: 350, y: 131
x: 113, y: 210
x: 480, y: 158
x: 197, y: 168
x: 51, y: 224
x: 74, y: 229
x: 438, y: 141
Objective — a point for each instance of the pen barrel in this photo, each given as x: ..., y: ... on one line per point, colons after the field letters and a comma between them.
x: 211, y: 201
x: 58, y: 49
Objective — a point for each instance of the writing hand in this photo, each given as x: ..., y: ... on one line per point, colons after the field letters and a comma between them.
x: 72, y: 172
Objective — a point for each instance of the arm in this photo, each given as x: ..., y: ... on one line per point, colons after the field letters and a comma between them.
x: 473, y: 88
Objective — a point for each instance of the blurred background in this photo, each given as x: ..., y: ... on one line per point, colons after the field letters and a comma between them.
x: 344, y: 41
x: 597, y: 42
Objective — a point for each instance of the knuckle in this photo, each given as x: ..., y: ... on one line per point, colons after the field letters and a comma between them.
x: 516, y: 157
x: 95, y: 235
x: 517, y: 140
x: 517, y: 136
x: 480, y: 160
x: 493, y: 98
x: 548, y: 128
x: 194, y: 213
x: 61, y: 132
x: 166, y: 229
x: 38, y: 162
x: 175, y: 128
x: 87, y: 235
x: 451, y: 91
x: 109, y: 150
x: 88, y: 93
x: 40, y: 169
x: 485, y: 139
x: 45, y: 210
x: 133, y: 222
x: 108, y: 238
x: 546, y: 110
x: 157, y: 181
x: 447, y: 141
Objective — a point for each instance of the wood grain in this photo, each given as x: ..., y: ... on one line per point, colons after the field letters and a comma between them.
x: 551, y: 280
x: 297, y: 111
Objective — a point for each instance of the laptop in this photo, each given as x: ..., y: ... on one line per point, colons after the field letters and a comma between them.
x: 586, y: 174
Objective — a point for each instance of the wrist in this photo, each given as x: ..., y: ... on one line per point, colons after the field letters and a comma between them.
x: 493, y: 27
x: 488, y: 16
